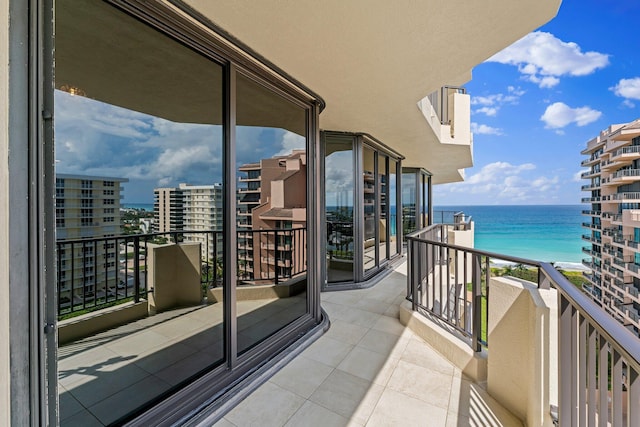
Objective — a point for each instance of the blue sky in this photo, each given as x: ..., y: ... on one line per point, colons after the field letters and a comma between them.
x: 537, y: 103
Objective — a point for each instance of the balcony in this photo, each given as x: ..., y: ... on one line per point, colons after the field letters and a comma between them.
x: 383, y: 359
x: 448, y: 112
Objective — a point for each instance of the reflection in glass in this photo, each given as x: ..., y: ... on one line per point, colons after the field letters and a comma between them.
x: 137, y: 114
x: 409, y: 208
x: 383, y: 203
x: 272, y: 212
x: 425, y: 200
x: 370, y: 190
x: 393, y: 217
x: 339, y: 209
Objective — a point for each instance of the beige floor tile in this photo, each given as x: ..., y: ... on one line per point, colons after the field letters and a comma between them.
x: 122, y: 403
x: 81, y: 419
x: 372, y: 305
x: 157, y: 360
x: 350, y: 396
x: 393, y: 311
x: 358, y: 316
x: 420, y: 353
x: 347, y: 332
x: 460, y: 397
x: 397, y: 409
x: 328, y: 351
x: 138, y: 343
x: 484, y: 410
x: 269, y: 405
x: 456, y: 420
x: 369, y: 365
x: 178, y: 372
x: 302, y: 376
x: 106, y: 384
x: 390, y: 326
x: 224, y: 423
x: 312, y: 415
x: 384, y: 343
x: 429, y: 386
x: 181, y: 327
x: 69, y: 406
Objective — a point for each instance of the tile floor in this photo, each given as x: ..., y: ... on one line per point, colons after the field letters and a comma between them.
x: 104, y: 377
x: 368, y: 370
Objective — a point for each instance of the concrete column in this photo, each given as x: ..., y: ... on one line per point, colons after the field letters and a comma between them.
x: 174, y: 275
x: 522, y: 364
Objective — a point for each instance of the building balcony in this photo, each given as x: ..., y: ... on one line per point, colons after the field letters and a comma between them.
x: 591, y: 212
x: 590, y: 174
x: 590, y: 161
x: 591, y: 199
x: 589, y: 187
x: 448, y: 112
x: 384, y: 360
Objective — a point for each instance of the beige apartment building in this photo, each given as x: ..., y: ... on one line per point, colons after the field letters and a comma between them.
x: 613, y: 226
x: 272, y: 196
x: 86, y: 207
x: 191, y: 208
x: 168, y: 209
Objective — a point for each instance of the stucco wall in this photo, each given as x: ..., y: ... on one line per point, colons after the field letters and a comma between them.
x: 522, y: 365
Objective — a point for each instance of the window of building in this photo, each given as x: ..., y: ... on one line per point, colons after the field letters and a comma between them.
x: 168, y: 88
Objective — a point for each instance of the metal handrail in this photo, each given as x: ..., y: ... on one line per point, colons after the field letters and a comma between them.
x: 91, y: 277
x: 585, y: 333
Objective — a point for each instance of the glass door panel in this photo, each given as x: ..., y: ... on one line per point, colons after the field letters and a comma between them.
x: 393, y: 201
x: 271, y: 172
x: 382, y: 180
x: 137, y: 113
x: 339, y: 182
x: 370, y: 196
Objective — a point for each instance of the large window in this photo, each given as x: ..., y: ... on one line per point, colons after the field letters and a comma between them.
x: 416, y: 200
x: 339, y: 182
x: 361, y: 199
x: 182, y: 246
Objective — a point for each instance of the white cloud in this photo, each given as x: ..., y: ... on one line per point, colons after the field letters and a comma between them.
x: 542, y: 58
x: 628, y: 104
x: 628, y: 88
x: 558, y: 115
x: 503, y: 182
x: 291, y: 141
x: 490, y: 104
x: 489, y: 111
x: 577, y: 177
x: 481, y: 129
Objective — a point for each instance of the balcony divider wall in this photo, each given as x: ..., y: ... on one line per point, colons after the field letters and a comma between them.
x: 363, y: 232
x: 159, y: 72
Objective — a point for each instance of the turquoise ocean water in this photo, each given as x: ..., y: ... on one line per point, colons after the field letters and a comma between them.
x: 543, y: 233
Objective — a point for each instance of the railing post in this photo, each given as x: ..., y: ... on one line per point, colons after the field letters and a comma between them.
x: 476, y: 310
x: 413, y: 276
x: 215, y: 258
x: 136, y: 268
x: 275, y: 255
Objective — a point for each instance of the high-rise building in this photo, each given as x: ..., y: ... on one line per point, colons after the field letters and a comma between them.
x: 191, y: 208
x: 614, y: 221
x: 168, y: 209
x: 86, y: 207
x: 272, y: 197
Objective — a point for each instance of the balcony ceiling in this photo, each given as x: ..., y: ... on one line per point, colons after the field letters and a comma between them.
x: 373, y: 60
x: 370, y: 60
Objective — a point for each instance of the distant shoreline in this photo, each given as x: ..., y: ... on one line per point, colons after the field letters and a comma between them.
x: 566, y: 266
